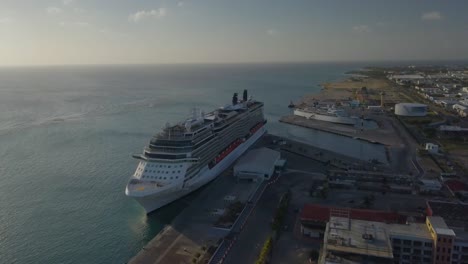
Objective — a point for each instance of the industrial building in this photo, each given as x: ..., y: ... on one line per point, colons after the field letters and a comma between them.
x: 410, y: 109
x: 369, y: 236
x: 432, y: 148
x: 355, y: 241
x: 314, y: 217
x: 258, y: 164
x: 427, y: 185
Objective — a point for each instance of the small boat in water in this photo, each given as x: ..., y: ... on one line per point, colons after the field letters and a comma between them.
x: 291, y: 104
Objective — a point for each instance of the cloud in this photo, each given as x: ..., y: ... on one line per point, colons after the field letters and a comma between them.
x: 78, y: 10
x: 80, y: 24
x: 362, y: 29
x: 140, y: 15
x: 52, y: 10
x: 272, y: 32
x: 180, y: 4
x: 433, y: 15
x: 5, y: 20
x: 67, y: 2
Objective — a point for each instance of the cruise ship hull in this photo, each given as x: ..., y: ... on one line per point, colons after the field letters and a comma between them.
x: 157, y: 200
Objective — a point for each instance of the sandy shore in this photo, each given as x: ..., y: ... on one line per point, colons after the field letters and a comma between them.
x: 346, y: 89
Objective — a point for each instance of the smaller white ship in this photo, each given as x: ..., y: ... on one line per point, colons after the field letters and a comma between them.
x: 327, y: 114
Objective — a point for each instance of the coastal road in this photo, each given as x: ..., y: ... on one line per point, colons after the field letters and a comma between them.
x: 256, y: 231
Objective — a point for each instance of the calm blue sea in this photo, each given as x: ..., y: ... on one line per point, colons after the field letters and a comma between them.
x: 67, y: 133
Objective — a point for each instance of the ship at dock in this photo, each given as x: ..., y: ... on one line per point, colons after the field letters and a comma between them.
x: 326, y: 113
x: 184, y: 157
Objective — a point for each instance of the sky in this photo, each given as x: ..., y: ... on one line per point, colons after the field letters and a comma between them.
x: 57, y: 32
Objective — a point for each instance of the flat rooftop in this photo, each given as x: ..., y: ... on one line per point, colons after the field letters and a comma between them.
x: 358, y: 237
x: 321, y: 213
x: 261, y: 159
x: 418, y: 230
x: 440, y: 227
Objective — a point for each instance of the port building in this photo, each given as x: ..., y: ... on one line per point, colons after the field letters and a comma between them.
x: 410, y: 109
x: 258, y: 164
x: 369, y: 236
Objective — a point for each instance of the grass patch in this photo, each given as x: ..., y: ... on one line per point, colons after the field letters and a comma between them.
x: 281, y: 211
x: 262, y: 258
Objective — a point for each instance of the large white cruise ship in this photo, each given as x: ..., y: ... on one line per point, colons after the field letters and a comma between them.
x: 328, y: 114
x: 186, y: 156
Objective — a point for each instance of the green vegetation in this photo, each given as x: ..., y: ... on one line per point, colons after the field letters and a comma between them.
x: 455, y: 143
x: 418, y: 120
x: 460, y: 196
x: 430, y: 132
x: 262, y: 258
x: 281, y: 211
x: 314, y: 255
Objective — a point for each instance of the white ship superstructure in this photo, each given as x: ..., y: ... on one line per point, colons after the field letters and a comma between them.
x: 186, y: 156
x: 327, y: 113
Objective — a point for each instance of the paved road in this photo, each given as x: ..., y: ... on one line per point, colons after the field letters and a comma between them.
x: 256, y: 230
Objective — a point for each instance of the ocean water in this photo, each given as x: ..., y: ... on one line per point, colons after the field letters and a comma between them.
x: 67, y: 135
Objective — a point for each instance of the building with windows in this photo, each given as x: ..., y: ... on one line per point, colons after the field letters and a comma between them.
x: 355, y: 241
x: 455, y: 218
x: 434, y: 241
x: 443, y: 238
x: 314, y: 217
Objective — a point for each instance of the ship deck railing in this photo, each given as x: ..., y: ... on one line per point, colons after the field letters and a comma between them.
x: 139, y: 185
x: 162, y: 150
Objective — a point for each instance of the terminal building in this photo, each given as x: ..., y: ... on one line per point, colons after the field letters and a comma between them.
x: 258, y: 164
x: 381, y: 237
x: 410, y: 109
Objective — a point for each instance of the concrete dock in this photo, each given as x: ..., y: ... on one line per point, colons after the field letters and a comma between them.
x: 385, y: 134
x: 192, y: 234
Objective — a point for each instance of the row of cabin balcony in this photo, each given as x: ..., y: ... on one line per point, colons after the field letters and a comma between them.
x: 159, y: 149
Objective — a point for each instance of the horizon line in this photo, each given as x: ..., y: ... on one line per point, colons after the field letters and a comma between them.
x: 236, y: 63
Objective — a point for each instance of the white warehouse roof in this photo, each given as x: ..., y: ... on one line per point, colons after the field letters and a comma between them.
x: 257, y: 161
x: 410, y: 109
